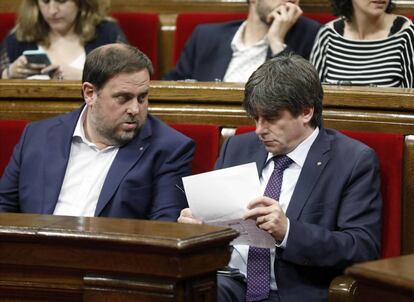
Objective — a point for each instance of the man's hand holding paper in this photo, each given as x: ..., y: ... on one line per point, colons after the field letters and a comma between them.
x: 221, y: 197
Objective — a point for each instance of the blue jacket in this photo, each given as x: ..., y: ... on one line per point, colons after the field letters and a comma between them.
x: 334, y: 212
x: 141, y: 182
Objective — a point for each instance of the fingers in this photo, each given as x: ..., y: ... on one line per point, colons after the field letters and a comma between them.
x: 20, y: 68
x: 285, y: 16
x: 261, y: 201
x: 274, y: 223
x: 53, y: 71
x: 261, y: 206
x: 187, y: 217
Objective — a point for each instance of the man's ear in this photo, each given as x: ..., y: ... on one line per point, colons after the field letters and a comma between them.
x: 307, y: 114
x: 89, y: 93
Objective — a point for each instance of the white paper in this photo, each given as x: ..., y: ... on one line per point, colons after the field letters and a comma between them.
x: 220, y: 197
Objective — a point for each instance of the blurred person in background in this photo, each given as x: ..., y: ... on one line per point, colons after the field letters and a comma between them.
x: 231, y: 51
x: 67, y: 30
x: 366, y: 45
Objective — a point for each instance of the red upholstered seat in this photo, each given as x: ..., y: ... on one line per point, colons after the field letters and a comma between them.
x: 186, y: 22
x: 207, y: 140
x: 7, y: 21
x: 389, y: 149
x: 10, y: 132
x: 141, y: 30
x: 320, y: 17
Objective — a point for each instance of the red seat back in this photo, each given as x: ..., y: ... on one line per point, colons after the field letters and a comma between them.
x: 10, y: 132
x: 389, y: 149
x: 207, y: 140
x: 7, y: 22
x: 141, y: 30
x: 186, y: 22
x: 320, y: 17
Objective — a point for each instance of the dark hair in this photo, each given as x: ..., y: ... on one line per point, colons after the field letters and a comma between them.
x: 286, y: 82
x: 109, y: 60
x: 345, y: 9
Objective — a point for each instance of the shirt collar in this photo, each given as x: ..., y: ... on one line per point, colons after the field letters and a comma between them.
x: 79, y: 131
x: 237, y: 42
x: 299, y: 154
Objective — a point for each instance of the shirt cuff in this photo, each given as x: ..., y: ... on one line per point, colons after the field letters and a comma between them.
x: 283, y: 243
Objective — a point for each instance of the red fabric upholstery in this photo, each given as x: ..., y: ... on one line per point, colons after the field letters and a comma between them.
x: 207, y: 140
x: 10, y: 132
x: 389, y: 149
x: 186, y: 22
x: 320, y: 17
x: 7, y: 21
x: 141, y: 30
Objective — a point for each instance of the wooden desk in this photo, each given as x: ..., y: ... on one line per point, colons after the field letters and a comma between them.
x: 351, y: 108
x: 383, y: 280
x: 50, y: 258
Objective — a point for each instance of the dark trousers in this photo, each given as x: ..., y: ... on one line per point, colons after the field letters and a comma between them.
x: 234, y: 290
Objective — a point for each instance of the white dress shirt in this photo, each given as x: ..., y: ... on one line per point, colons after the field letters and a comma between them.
x: 85, y: 174
x: 245, y: 59
x: 290, y: 178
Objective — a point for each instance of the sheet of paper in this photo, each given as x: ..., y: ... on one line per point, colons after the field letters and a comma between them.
x: 222, y: 194
x: 249, y: 233
x: 220, y: 197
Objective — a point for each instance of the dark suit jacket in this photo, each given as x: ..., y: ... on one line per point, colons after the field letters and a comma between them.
x: 334, y: 212
x: 208, y: 52
x: 140, y: 182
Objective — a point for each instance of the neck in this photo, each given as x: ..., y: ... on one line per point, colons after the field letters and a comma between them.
x: 365, y: 26
x: 255, y: 29
x: 91, y: 134
x: 69, y: 33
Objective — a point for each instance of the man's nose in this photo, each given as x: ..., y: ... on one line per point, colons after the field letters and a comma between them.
x: 133, y: 108
x: 260, y: 126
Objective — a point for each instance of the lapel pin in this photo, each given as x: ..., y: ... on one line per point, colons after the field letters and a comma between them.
x: 141, y: 148
x: 319, y: 163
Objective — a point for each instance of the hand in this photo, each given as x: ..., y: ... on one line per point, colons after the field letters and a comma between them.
x: 21, y: 69
x: 269, y: 216
x: 187, y: 217
x: 53, y: 71
x: 282, y: 19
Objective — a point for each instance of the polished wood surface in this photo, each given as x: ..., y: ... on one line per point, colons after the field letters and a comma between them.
x: 345, y: 107
x: 383, y: 280
x: 351, y: 108
x: 107, y: 259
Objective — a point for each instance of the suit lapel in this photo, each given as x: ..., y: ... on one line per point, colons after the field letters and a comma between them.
x: 57, y: 151
x: 125, y: 159
x: 225, y: 51
x: 315, y: 163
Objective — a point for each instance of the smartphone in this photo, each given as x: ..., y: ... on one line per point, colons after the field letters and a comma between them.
x: 36, y: 57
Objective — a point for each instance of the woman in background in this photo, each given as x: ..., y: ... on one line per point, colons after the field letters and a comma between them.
x: 65, y: 29
x: 367, y: 45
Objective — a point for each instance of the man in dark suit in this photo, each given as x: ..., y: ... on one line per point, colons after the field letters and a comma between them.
x: 107, y: 158
x: 231, y: 51
x: 328, y: 213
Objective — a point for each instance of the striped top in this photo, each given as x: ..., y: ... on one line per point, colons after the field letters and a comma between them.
x: 387, y: 62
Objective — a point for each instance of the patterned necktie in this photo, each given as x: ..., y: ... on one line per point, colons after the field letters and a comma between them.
x: 258, y: 261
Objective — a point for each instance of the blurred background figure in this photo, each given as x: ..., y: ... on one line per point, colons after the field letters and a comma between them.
x: 367, y: 45
x: 66, y: 30
x: 231, y: 51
